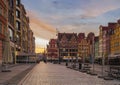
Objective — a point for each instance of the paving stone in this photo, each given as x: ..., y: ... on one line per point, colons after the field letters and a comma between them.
x: 53, y: 74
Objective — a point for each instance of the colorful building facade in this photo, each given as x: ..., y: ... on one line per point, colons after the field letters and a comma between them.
x: 96, y: 47
x: 84, y: 49
x: 67, y: 44
x: 115, y: 38
x: 52, y: 50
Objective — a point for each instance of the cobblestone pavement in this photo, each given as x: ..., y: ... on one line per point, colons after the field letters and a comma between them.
x: 54, y: 74
x: 6, y: 76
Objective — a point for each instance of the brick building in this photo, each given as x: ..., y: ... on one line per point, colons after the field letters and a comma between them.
x: 68, y: 45
x: 115, y: 38
x: 3, y: 26
x: 18, y: 26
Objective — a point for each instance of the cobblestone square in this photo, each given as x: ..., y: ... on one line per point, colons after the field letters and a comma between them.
x: 54, y: 74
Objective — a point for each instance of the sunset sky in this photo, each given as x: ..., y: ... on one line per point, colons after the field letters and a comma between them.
x: 69, y: 16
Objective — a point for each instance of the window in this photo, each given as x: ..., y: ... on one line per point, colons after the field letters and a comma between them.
x: 4, y: 31
x: 11, y: 3
x: 0, y: 27
x: 0, y: 10
x: 18, y: 25
x: 17, y: 2
x: 17, y: 13
x: 5, y: 13
x: 11, y: 35
x: 18, y: 39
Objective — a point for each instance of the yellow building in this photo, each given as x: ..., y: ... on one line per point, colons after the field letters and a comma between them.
x: 115, y: 38
x: 84, y: 48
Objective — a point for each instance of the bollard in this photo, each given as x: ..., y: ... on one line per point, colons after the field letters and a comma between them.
x: 80, y: 66
x: 66, y: 64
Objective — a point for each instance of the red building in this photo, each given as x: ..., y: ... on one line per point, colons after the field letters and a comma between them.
x: 3, y: 25
x: 52, y: 50
x: 68, y: 45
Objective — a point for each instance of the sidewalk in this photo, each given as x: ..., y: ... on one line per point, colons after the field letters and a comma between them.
x: 14, y: 75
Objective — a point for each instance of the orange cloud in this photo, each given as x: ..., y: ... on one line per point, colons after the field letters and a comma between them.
x: 42, y: 31
x: 40, y: 28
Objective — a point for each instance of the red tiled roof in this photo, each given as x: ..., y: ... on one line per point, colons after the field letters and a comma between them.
x: 112, y: 25
x: 105, y: 28
x: 53, y: 41
x: 118, y: 21
x: 81, y: 36
x: 96, y: 38
x: 68, y: 35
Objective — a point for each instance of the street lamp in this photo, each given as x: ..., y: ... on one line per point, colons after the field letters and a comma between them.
x: 83, y: 59
x: 102, y: 68
x: 83, y: 56
x: 93, y: 58
x: 68, y: 59
x: 58, y: 50
x: 77, y: 59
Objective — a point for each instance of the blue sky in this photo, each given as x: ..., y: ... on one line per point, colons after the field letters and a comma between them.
x: 69, y: 16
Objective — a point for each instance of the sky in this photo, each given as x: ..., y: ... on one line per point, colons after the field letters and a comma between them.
x: 47, y: 16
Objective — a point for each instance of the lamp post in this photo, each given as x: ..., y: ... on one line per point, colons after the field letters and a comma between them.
x: 83, y: 59
x: 102, y: 68
x: 83, y: 56
x: 68, y: 60
x: 93, y: 57
x: 77, y: 59
x: 58, y: 51
x: 58, y: 45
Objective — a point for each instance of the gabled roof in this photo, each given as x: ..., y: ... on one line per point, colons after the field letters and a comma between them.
x: 112, y: 25
x: 81, y: 36
x: 53, y: 41
x: 90, y: 35
x: 68, y: 35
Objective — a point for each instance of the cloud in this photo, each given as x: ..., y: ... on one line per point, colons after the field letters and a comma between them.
x: 42, y: 31
x: 83, y: 27
x: 98, y: 7
x: 40, y: 28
